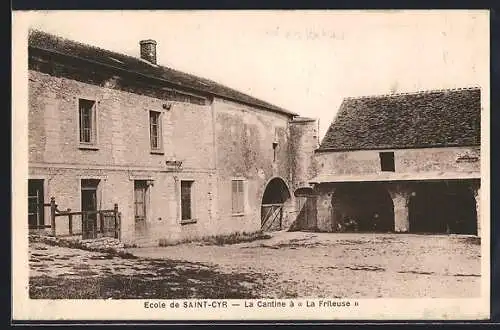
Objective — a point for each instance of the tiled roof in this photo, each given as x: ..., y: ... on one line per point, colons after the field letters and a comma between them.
x: 436, y: 118
x: 57, y: 45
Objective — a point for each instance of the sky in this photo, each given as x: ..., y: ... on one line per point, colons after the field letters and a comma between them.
x: 303, y: 61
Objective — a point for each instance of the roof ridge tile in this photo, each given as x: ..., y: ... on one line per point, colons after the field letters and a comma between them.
x: 418, y: 92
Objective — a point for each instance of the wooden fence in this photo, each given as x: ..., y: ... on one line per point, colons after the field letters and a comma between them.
x: 93, y: 224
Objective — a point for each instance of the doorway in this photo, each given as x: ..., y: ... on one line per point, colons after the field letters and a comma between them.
x: 36, y: 204
x: 89, y: 205
x: 443, y: 207
x: 275, y: 195
x: 363, y: 207
x: 140, y: 205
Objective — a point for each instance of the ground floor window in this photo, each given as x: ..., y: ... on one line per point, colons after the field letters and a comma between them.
x: 186, y: 200
x: 35, y: 204
x: 238, y: 196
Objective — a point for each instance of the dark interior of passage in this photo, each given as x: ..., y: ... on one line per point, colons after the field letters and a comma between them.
x: 363, y: 207
x: 443, y: 207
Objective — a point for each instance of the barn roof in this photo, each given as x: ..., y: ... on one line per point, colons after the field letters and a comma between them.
x: 50, y: 43
x: 435, y: 118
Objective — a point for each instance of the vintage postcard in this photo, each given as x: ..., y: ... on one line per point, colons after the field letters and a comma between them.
x: 251, y: 165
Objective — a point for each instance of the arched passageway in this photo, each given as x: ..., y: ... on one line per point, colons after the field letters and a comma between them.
x: 443, y: 207
x: 365, y: 207
x: 275, y: 196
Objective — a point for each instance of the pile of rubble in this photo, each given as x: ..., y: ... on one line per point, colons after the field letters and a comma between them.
x: 103, y: 244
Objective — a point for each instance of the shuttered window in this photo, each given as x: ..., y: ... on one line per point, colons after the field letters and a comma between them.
x: 238, y: 196
x: 186, y: 200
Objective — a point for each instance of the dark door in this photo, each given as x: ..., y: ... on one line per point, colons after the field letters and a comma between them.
x: 35, y: 204
x: 89, y: 208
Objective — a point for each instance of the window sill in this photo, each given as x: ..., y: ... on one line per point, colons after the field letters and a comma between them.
x: 188, y: 221
x: 88, y: 147
x: 156, y: 152
x: 238, y: 214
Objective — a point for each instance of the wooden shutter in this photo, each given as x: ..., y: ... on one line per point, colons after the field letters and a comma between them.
x: 186, y: 200
x: 237, y: 196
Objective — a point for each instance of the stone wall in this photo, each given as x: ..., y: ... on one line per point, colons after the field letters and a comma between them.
x: 244, y: 139
x: 122, y: 126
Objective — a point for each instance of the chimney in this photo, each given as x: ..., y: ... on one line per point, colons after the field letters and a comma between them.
x: 148, y: 50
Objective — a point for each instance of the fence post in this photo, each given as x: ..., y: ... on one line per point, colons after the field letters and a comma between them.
x: 101, y: 224
x: 53, y: 215
x: 115, y: 212
x: 281, y: 218
x: 70, y: 222
x: 84, y: 225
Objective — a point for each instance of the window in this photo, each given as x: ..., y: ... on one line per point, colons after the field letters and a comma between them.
x: 275, y: 150
x: 155, y: 130
x: 186, y: 200
x: 87, y: 116
x: 387, y: 161
x: 238, y: 197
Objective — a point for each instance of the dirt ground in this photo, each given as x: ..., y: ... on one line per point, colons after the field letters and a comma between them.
x: 284, y: 266
x: 347, y: 265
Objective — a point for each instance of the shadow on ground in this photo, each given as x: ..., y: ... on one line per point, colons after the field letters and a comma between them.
x: 161, y: 279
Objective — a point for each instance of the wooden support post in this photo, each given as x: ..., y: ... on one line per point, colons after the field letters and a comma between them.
x: 53, y: 207
x: 101, y: 223
x: 117, y: 225
x: 84, y: 225
x: 70, y: 222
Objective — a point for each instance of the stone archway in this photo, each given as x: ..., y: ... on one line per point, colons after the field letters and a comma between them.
x: 366, y: 207
x: 274, y: 198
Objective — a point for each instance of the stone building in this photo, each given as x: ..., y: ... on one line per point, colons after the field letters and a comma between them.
x: 182, y: 156
x: 402, y: 163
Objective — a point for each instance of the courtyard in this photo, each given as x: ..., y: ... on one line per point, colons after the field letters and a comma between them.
x: 289, y: 264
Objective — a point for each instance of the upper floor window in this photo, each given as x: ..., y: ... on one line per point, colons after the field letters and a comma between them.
x: 387, y: 161
x: 87, y: 117
x: 155, y: 130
